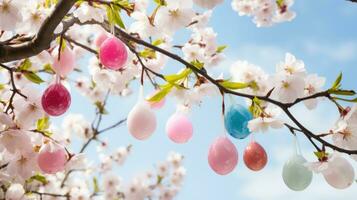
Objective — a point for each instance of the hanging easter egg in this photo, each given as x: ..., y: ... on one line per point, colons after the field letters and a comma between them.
x: 56, y: 100
x: 52, y: 158
x: 295, y: 175
x: 113, y: 53
x: 236, y: 121
x: 101, y: 37
x: 340, y: 173
x: 223, y: 156
x: 66, y: 63
x: 141, y: 121
x: 179, y: 128
x: 156, y: 105
x: 255, y: 157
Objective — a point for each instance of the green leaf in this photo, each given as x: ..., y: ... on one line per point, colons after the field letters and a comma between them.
x: 342, y: 92
x: 220, y: 49
x: 147, y: 53
x: 25, y: 65
x: 166, y: 89
x: 346, y: 100
x: 38, y: 177
x: 280, y: 3
x: 95, y: 185
x: 31, y: 76
x: 160, y: 2
x: 255, y: 107
x: 113, y: 13
x: 48, y: 68
x: 321, y: 154
x: 197, y: 64
x: 158, y: 42
x: 234, y: 85
x: 337, y: 83
x: 43, y: 124
x: 101, y: 108
x: 176, y: 77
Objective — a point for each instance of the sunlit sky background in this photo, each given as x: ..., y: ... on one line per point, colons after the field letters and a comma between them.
x: 324, y: 35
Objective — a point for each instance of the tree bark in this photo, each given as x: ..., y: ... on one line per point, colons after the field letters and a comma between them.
x: 43, y: 38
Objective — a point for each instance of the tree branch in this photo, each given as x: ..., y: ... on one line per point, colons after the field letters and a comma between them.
x: 43, y: 38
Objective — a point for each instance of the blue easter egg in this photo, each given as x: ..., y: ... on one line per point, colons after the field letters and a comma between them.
x: 236, y: 121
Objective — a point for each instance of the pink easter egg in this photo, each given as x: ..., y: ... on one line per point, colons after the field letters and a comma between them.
x: 179, y: 128
x: 66, y: 63
x: 101, y: 37
x: 223, y: 156
x: 52, y: 159
x: 56, y: 100
x: 113, y: 53
x: 141, y: 121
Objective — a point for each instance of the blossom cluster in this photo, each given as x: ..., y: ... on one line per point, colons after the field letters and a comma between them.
x: 265, y: 12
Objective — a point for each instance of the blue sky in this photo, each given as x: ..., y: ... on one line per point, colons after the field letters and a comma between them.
x: 323, y: 35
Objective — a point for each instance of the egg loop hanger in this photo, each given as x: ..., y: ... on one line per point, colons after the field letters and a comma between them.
x: 224, y: 132
x: 297, y: 148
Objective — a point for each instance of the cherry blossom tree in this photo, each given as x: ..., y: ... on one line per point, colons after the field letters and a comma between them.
x: 41, y: 43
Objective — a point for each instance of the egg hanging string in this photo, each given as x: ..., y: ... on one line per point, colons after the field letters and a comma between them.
x: 297, y: 149
x: 222, y: 116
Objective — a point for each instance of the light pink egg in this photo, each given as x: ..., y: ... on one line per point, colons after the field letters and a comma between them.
x: 340, y: 173
x: 141, y: 121
x: 101, y: 37
x: 66, y: 63
x: 223, y: 156
x: 52, y: 159
x: 113, y: 53
x: 179, y: 128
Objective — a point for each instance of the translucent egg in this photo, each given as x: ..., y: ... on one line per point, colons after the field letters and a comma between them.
x: 223, y: 156
x: 52, y: 158
x: 141, y: 121
x: 340, y: 173
x: 66, y: 63
x: 179, y: 128
x: 295, y: 175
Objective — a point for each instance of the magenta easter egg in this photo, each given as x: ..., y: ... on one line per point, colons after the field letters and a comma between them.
x: 179, y: 128
x: 255, y: 157
x: 223, y: 156
x: 66, y: 63
x: 52, y: 158
x: 113, y: 53
x: 141, y: 121
x: 56, y: 100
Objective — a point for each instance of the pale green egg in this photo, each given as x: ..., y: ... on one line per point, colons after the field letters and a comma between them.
x: 296, y: 176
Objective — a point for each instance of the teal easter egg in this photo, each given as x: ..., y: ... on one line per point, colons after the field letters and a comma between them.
x: 295, y: 175
x: 236, y: 121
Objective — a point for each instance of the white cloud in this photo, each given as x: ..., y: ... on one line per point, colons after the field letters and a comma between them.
x: 342, y: 52
x: 266, y: 56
